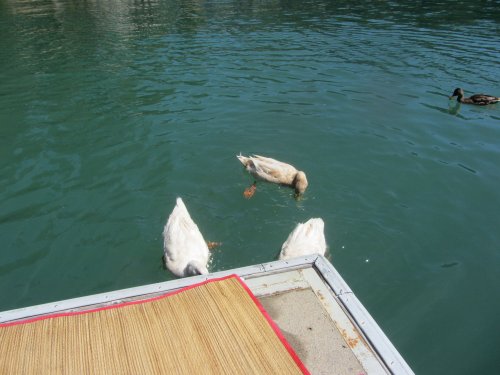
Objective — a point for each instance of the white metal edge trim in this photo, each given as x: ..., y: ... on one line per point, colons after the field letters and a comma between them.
x: 274, y: 283
x: 166, y: 286
x: 331, y: 275
x: 300, y: 262
x: 384, y: 347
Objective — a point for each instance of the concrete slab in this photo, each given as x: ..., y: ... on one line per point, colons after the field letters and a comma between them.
x: 310, y: 330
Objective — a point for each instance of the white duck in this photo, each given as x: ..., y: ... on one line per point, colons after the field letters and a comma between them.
x: 275, y: 171
x: 307, y: 238
x: 185, y: 251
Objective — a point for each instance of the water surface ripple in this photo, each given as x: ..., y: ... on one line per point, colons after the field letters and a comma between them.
x: 110, y: 110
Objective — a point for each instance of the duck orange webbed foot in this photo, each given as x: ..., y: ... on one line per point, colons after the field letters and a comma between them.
x: 212, y: 245
x: 250, y: 191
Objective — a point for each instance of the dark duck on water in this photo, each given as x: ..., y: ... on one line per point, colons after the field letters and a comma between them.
x: 477, y: 99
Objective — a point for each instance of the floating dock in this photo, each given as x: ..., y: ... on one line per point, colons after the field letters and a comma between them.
x: 317, y: 313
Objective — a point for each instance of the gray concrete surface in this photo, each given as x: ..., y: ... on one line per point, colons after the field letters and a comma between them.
x: 312, y: 333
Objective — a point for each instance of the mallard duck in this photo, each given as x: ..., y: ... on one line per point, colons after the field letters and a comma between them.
x: 477, y: 99
x: 307, y: 238
x: 275, y: 171
x: 185, y: 251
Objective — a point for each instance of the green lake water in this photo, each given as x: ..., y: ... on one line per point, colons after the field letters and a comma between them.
x: 110, y: 110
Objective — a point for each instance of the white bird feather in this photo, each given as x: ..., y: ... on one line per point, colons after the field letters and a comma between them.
x: 185, y: 251
x: 275, y: 171
x: 306, y: 239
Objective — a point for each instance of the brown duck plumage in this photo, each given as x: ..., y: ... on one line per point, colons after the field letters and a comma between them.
x: 477, y: 99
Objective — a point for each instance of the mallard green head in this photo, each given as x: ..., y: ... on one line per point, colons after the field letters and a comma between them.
x: 458, y: 92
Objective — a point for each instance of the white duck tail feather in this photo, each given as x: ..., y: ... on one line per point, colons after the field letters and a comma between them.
x: 243, y: 159
x: 307, y: 238
x: 183, y: 242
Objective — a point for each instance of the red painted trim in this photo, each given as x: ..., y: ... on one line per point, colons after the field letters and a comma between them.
x: 57, y: 315
x: 273, y: 325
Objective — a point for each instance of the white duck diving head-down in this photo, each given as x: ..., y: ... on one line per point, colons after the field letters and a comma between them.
x: 306, y: 239
x: 271, y: 170
x: 185, y: 251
